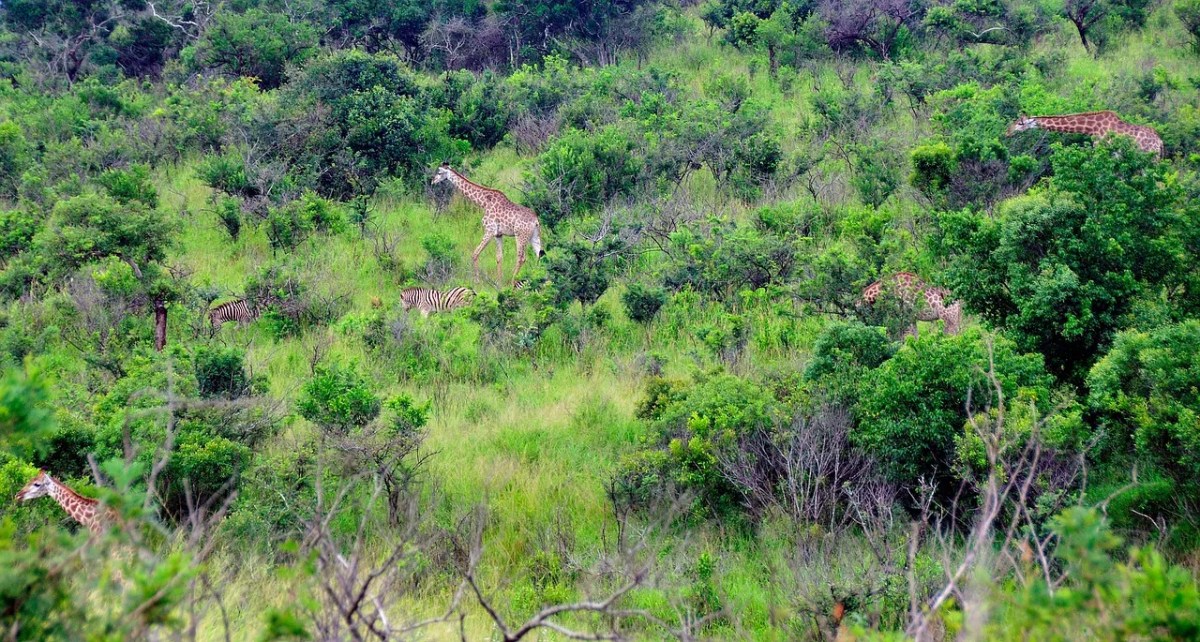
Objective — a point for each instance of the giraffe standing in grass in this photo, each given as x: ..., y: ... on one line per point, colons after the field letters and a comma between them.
x: 85, y: 510
x: 907, y: 286
x: 1096, y: 123
x: 501, y: 218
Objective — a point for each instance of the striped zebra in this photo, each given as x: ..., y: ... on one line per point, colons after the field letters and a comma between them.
x: 239, y: 310
x: 427, y: 300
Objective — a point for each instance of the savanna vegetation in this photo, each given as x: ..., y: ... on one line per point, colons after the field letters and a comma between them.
x: 685, y: 423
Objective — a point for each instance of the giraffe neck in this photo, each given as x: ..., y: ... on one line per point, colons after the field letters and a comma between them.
x: 82, y: 509
x: 472, y: 191
x: 1096, y: 123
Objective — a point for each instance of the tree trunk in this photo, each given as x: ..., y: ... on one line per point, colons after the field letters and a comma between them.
x: 160, y: 325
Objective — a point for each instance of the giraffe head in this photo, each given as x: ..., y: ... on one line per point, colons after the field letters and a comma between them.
x: 442, y: 173
x: 38, y: 487
x: 1022, y: 123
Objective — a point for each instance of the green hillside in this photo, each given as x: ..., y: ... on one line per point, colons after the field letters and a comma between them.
x: 693, y: 419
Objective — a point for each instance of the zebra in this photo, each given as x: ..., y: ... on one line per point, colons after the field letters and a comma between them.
x: 239, y: 310
x: 427, y: 300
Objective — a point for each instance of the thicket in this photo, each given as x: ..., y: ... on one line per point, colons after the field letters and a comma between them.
x: 711, y: 217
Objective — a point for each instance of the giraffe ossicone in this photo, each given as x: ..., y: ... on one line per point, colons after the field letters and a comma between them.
x: 1098, y: 124
x: 501, y: 218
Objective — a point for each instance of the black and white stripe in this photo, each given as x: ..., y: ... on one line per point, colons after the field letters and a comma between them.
x: 427, y: 300
x: 238, y: 310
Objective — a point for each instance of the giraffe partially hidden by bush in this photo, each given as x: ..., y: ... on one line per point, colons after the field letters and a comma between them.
x: 85, y: 510
x: 501, y: 218
x: 907, y: 287
x: 1095, y: 123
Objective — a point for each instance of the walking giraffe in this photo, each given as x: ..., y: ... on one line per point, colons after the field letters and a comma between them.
x: 1095, y: 123
x: 501, y: 218
x: 85, y: 510
x: 907, y: 286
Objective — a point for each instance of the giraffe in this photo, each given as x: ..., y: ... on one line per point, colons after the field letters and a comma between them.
x: 501, y: 218
x: 1095, y: 123
x: 907, y: 286
x: 84, y: 510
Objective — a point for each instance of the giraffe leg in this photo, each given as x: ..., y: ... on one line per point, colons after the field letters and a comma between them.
x: 478, y: 251
x: 499, y: 260
x: 520, y: 260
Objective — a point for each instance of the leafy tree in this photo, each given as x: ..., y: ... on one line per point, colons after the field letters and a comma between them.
x: 1094, y: 20
x: 257, y: 43
x: 642, y: 303
x: 726, y: 258
x: 338, y: 399
x: 693, y: 429
x: 1148, y: 387
x: 842, y: 356
x: 1059, y: 269
x: 912, y: 408
x: 581, y: 270
x: 221, y: 372
x: 14, y: 157
x: 1188, y: 12
x: 1107, y: 592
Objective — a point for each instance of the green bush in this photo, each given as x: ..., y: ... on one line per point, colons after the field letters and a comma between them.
x: 221, y: 372
x: 288, y: 226
x: 912, y: 408
x: 1061, y: 269
x: 229, y: 212
x: 1188, y: 12
x: 130, y: 185
x: 14, y: 157
x: 693, y: 428
x: 643, y: 303
x: 934, y: 166
x: 257, y: 43
x: 1148, y: 387
x: 842, y: 355
x: 337, y: 399
x: 579, y: 270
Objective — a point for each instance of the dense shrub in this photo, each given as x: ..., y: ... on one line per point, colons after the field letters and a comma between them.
x: 579, y: 270
x: 221, y: 372
x: 338, y: 399
x: 642, y: 303
x: 842, y: 355
x: 1061, y: 269
x: 1148, y: 388
x: 692, y: 430
x: 912, y: 408
x: 257, y: 43
x: 722, y: 258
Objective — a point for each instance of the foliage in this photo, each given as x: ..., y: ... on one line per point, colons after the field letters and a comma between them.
x: 691, y: 432
x: 1060, y: 269
x: 221, y: 372
x: 257, y: 43
x: 580, y: 270
x: 642, y: 303
x: 1145, y: 388
x: 910, y: 409
x: 842, y: 356
x: 1142, y: 596
x: 337, y: 399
